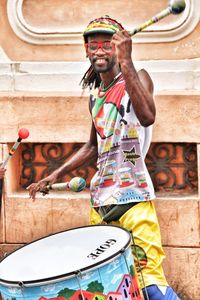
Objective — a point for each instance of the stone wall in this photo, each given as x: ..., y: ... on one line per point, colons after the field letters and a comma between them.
x: 42, y: 61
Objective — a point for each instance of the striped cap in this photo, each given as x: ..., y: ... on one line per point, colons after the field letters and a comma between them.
x: 102, y: 25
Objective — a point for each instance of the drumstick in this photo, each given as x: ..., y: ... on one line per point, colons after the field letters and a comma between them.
x: 76, y: 184
x: 23, y: 133
x: 175, y: 7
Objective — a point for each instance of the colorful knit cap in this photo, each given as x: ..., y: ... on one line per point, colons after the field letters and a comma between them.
x: 102, y: 25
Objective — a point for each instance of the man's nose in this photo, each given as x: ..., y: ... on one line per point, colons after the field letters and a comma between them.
x: 100, y: 51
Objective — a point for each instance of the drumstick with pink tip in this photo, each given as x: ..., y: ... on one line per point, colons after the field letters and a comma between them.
x: 23, y: 133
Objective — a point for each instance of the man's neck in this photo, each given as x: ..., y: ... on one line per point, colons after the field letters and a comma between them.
x: 108, y: 78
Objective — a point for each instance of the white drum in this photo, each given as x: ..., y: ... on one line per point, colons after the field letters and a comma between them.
x: 85, y: 263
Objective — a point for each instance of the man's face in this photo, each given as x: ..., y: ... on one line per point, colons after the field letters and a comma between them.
x: 101, y: 52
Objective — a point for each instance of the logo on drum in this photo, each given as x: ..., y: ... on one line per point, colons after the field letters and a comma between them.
x: 101, y: 249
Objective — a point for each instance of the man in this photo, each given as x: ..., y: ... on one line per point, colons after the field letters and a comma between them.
x: 122, y: 106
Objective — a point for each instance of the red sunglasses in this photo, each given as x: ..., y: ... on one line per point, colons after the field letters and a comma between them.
x: 93, y: 47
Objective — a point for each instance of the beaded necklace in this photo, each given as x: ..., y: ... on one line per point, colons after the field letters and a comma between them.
x: 102, y: 90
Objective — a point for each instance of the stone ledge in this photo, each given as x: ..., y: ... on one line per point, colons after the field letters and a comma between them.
x: 65, y: 76
x: 64, y: 118
x: 85, y: 195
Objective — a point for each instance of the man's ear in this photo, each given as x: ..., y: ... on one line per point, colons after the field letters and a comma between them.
x: 86, y: 50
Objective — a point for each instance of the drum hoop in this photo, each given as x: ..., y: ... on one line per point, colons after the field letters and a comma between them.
x: 66, y: 275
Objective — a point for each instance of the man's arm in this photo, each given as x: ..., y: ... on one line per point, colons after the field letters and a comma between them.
x: 85, y: 154
x: 138, y: 84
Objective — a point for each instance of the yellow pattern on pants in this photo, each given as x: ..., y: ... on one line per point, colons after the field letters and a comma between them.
x: 142, y: 221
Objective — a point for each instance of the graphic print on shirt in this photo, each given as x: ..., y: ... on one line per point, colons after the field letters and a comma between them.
x: 106, y: 110
x: 121, y: 174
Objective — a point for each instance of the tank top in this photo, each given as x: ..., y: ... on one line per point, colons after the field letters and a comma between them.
x: 122, y: 176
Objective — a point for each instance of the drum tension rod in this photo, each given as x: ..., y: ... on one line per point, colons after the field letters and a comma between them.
x: 79, y: 273
x: 22, y: 286
x: 122, y: 250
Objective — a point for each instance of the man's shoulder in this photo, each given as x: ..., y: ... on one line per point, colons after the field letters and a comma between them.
x: 143, y: 72
x: 145, y: 78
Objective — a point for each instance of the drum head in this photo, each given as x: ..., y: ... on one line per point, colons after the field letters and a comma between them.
x: 64, y: 254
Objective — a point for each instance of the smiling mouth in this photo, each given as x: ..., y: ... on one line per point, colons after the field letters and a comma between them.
x: 100, y: 61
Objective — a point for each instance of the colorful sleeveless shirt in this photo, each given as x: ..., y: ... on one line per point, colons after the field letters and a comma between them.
x: 122, y: 176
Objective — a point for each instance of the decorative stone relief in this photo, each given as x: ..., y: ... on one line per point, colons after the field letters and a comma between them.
x: 3, y: 56
x: 172, y: 166
x: 44, y: 22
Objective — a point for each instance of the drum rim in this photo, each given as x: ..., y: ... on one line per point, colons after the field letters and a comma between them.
x: 70, y: 274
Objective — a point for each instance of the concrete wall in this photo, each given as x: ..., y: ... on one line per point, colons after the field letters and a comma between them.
x: 42, y: 60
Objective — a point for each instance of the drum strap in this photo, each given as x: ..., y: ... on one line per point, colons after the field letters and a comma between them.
x: 144, y: 290
x: 134, y: 285
x: 111, y: 213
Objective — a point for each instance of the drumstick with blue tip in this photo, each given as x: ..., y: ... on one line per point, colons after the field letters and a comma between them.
x: 23, y: 133
x: 76, y: 184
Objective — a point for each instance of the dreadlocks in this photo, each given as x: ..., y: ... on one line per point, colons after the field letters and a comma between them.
x: 90, y: 79
x: 104, y: 24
